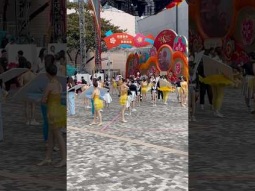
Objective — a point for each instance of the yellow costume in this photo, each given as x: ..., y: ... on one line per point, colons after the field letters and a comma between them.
x: 114, y: 84
x: 217, y: 82
x: 56, y: 111
x: 144, y: 88
x: 98, y: 103
x: 123, y: 98
x: 184, y: 88
x: 166, y: 90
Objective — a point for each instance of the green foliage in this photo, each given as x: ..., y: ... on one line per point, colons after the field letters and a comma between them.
x: 73, y: 34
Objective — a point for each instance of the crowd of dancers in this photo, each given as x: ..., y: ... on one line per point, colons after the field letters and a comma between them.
x: 132, y: 93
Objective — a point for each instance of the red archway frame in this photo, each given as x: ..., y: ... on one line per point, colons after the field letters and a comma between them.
x: 171, y: 52
x: 180, y: 56
x: 194, y: 9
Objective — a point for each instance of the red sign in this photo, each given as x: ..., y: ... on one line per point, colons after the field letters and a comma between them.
x: 118, y: 39
x: 165, y: 37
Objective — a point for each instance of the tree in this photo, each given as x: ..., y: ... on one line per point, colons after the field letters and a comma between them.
x: 73, y: 33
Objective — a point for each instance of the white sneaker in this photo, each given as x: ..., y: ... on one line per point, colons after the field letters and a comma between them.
x: 34, y: 122
x: 134, y: 110
x: 126, y: 114
x: 218, y: 114
x: 101, y: 110
x: 88, y: 107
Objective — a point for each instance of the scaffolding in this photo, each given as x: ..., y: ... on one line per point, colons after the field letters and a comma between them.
x: 58, y: 20
x: 82, y: 35
x: 22, y: 11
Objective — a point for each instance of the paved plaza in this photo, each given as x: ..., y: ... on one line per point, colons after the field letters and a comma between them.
x: 149, y: 153
x: 221, y: 150
x: 22, y: 149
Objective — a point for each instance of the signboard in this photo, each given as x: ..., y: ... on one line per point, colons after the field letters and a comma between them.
x: 117, y: 39
x: 165, y: 37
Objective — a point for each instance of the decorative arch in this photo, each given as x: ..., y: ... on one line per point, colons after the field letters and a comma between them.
x: 180, y: 66
x: 151, y: 66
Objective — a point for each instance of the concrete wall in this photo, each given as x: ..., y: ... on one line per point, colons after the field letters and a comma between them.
x: 165, y: 20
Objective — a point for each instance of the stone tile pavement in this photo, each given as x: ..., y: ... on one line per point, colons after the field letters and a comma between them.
x: 147, y: 153
x: 221, y: 151
x: 21, y: 150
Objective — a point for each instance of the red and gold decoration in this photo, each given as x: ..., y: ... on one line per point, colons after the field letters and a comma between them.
x: 150, y: 67
x: 235, y: 21
x: 162, y: 59
x: 165, y: 37
x: 180, y: 65
x: 165, y: 57
x: 116, y: 39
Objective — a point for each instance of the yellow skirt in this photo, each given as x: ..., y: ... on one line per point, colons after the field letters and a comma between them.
x: 144, y: 90
x: 98, y: 104
x: 216, y: 80
x: 123, y: 100
x: 166, y: 89
x: 114, y: 84
x: 57, y: 115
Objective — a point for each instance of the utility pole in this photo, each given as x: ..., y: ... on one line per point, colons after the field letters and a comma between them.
x: 82, y: 35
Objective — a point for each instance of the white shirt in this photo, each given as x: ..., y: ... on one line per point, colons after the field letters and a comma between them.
x: 40, y: 66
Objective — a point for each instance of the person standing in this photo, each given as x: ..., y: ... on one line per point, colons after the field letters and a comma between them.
x: 249, y: 82
x: 71, y: 96
x: 29, y: 104
x: 40, y: 67
x: 98, y: 104
x: 123, y: 99
x: 204, y: 88
x: 160, y: 93
x: 56, y: 113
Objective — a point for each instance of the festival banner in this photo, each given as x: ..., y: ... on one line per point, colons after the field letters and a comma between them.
x: 117, y: 39
x: 165, y: 37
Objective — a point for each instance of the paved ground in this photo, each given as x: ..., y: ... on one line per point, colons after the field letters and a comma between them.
x: 149, y: 153
x: 221, y: 151
x: 21, y: 150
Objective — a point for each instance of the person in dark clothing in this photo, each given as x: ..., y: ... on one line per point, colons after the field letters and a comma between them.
x: 4, y: 60
x: 204, y: 88
x: 249, y: 82
x: 160, y: 93
x: 21, y: 59
x: 133, y: 90
x: 83, y: 81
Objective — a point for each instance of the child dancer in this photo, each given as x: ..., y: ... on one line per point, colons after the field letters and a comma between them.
x: 154, y: 92
x: 129, y: 101
x: 184, y: 91
x: 144, y: 89
x: 123, y: 99
x: 107, y: 96
x: 138, y: 96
